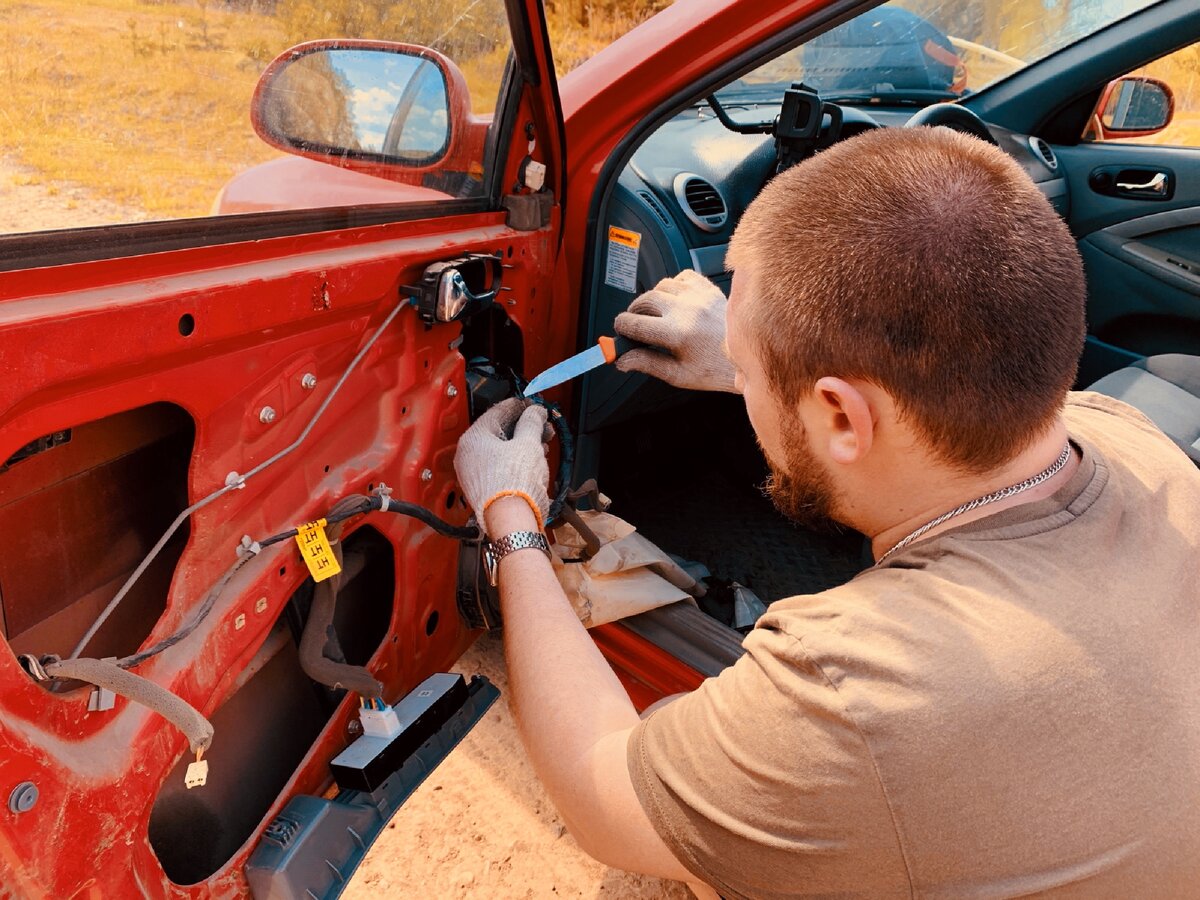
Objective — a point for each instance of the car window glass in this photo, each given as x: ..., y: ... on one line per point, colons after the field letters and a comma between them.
x: 120, y: 111
x: 1180, y: 71
x: 930, y: 49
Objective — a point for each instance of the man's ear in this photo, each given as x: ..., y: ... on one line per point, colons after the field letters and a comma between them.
x: 847, y: 419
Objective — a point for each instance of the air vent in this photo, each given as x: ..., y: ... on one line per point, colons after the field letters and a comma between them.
x: 701, y: 202
x: 1044, y: 153
x: 651, y: 201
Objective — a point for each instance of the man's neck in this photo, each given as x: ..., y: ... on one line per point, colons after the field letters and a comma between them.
x: 925, y: 489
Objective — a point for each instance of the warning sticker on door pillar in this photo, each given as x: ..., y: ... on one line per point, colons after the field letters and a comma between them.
x: 621, y: 269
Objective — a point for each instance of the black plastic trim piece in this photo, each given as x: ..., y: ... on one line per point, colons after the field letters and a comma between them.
x: 1066, y: 126
x: 522, y: 38
x: 55, y: 248
x: 499, y: 136
x: 313, y: 846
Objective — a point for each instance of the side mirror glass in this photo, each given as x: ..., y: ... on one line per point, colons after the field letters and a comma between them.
x: 362, y: 102
x: 1135, y: 106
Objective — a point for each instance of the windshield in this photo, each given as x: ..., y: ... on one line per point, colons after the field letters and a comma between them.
x: 927, y: 50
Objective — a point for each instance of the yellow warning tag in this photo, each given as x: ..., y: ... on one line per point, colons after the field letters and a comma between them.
x: 314, y: 547
x: 621, y: 266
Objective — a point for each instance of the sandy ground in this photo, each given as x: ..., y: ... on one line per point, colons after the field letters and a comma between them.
x: 29, y: 204
x: 481, y: 825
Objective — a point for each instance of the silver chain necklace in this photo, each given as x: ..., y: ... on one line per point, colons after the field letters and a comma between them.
x: 1004, y: 493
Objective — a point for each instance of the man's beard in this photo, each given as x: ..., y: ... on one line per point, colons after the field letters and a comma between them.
x: 801, y: 489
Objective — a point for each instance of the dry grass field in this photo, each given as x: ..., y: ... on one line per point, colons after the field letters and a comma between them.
x: 146, y: 103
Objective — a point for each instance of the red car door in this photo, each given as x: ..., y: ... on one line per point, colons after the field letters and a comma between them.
x: 254, y: 370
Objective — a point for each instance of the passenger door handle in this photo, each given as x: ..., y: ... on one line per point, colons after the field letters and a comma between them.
x: 1133, y: 182
x: 1157, y: 185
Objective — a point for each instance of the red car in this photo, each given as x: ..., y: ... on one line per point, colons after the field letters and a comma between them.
x: 202, y: 419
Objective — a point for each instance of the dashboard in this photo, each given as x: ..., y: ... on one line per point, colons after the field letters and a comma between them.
x: 675, y: 206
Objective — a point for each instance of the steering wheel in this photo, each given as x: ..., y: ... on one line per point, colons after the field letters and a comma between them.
x: 953, y: 116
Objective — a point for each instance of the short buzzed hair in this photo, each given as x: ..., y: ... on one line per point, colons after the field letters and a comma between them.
x: 927, y: 262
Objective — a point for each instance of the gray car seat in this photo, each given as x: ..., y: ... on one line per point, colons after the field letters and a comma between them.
x: 1167, y: 389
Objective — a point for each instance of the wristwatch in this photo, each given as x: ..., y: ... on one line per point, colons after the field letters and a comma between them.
x: 495, y: 551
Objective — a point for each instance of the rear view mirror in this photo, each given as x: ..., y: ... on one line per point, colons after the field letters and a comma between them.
x: 362, y: 104
x: 1134, y: 106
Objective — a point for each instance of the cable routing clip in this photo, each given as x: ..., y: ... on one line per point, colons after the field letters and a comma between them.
x: 248, y: 547
x: 384, y: 493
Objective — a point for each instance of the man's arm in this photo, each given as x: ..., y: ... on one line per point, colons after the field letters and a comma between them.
x: 573, y: 714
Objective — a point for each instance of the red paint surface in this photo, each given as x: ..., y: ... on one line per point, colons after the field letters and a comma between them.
x: 293, y: 182
x: 648, y: 672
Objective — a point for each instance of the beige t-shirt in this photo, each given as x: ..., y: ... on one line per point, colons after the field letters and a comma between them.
x: 1008, y: 708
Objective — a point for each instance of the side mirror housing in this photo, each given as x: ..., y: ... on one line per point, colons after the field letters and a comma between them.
x: 396, y: 111
x: 1133, y: 106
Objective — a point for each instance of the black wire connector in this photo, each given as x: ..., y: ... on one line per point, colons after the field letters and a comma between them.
x: 381, y: 503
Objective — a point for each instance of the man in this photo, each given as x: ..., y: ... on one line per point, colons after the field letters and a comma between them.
x: 1008, y: 702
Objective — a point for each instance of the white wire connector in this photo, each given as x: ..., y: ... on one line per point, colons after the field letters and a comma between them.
x: 248, y: 547
x: 378, y: 719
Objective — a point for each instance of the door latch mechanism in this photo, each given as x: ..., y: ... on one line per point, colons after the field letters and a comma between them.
x: 456, y: 288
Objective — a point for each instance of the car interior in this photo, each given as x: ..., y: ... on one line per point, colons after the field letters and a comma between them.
x: 683, y: 467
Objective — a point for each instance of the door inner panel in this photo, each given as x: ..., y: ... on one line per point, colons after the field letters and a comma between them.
x: 142, y: 385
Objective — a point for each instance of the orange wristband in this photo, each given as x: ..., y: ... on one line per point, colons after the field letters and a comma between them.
x: 537, y: 512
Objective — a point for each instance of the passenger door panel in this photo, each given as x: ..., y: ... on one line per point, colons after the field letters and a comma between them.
x: 1140, y: 254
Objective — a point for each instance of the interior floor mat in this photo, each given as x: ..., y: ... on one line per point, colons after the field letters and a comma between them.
x: 739, y: 535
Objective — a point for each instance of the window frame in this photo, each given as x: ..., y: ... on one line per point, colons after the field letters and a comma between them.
x: 40, y: 249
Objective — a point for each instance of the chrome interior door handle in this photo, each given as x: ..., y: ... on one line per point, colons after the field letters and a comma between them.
x: 1156, y: 185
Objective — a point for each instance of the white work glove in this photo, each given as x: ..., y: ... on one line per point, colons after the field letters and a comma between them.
x: 684, y: 317
x: 491, y: 464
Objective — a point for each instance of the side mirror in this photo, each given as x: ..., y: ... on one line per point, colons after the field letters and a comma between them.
x: 1134, y: 106
x: 387, y: 109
